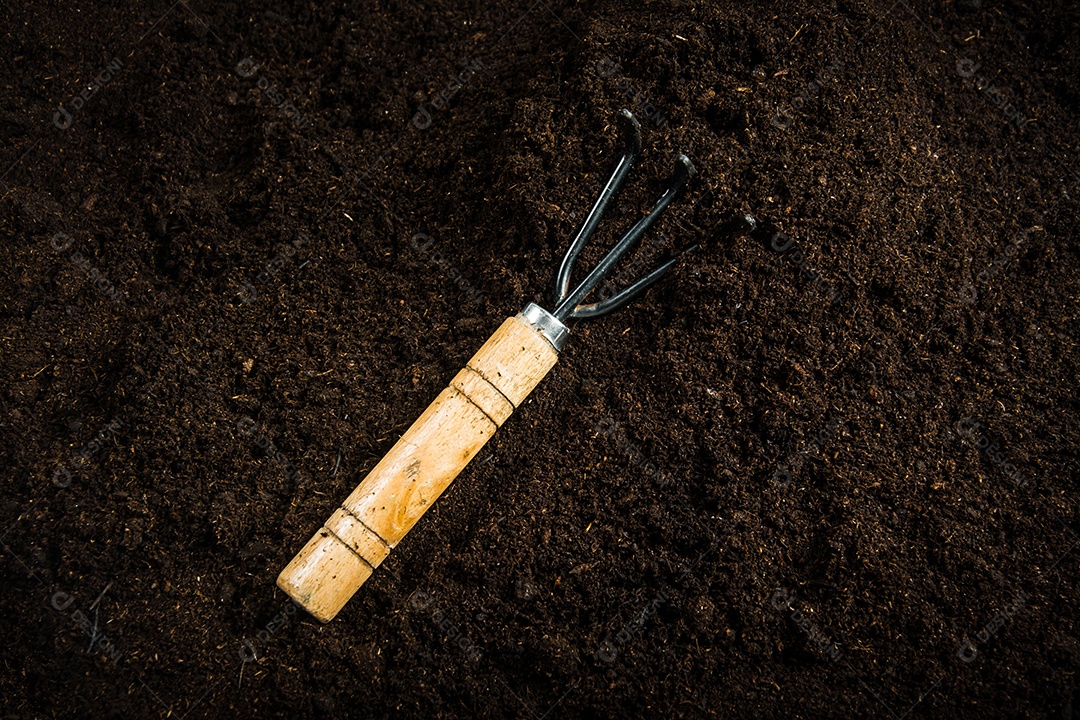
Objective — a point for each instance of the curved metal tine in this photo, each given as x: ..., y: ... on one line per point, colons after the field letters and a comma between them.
x: 623, y: 297
x: 684, y: 169
x: 735, y: 226
x: 631, y: 133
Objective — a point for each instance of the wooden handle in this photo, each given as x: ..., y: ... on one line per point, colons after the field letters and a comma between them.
x: 432, y: 452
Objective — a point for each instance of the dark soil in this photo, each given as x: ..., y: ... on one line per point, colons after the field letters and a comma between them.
x: 827, y: 469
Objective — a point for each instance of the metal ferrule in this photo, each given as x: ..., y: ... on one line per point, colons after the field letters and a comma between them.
x: 549, y: 326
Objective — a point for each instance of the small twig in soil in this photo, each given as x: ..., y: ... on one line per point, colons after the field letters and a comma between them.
x: 94, y: 607
x: 95, y: 603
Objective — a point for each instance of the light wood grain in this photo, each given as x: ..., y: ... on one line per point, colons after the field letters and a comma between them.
x: 419, y: 467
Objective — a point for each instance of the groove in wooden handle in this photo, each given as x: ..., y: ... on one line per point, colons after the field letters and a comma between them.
x: 432, y: 452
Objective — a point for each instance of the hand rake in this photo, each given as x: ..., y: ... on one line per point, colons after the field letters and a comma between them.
x: 436, y: 448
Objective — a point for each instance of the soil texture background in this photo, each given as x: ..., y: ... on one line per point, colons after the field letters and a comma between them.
x: 826, y: 468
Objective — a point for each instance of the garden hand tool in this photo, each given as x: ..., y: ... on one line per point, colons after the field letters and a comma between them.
x: 436, y: 448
